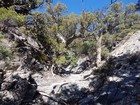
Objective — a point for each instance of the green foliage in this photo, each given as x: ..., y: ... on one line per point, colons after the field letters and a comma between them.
x: 136, y: 27
x: 77, y: 46
x: 131, y: 17
x: 82, y: 32
x: 80, y: 47
x: 86, y: 19
x: 10, y: 13
x: 120, y: 36
x: 108, y: 40
x: 89, y: 47
x: 116, y: 7
x: 105, y: 53
x: 5, y: 53
x: 1, y: 35
x: 125, y: 32
x: 122, y: 26
x: 71, y: 58
x: 131, y: 8
x: 57, y: 10
x: 60, y: 60
x: 21, y: 6
x: 69, y: 25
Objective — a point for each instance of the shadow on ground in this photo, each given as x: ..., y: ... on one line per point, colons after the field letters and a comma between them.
x: 117, y: 82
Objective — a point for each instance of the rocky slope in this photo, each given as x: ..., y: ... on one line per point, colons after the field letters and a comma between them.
x: 128, y: 46
x: 117, y: 82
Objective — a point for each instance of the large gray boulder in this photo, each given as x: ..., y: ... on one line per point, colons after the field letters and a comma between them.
x: 17, y: 88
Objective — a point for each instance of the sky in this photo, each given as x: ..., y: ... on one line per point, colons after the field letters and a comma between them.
x: 77, y: 6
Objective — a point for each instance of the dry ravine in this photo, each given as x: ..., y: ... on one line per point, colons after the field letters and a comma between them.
x: 120, y: 85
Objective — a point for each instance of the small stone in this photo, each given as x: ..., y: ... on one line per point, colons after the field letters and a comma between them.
x: 115, y: 79
x: 2, y: 64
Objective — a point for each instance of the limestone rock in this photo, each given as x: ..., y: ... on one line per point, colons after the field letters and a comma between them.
x: 2, y: 64
x: 129, y: 46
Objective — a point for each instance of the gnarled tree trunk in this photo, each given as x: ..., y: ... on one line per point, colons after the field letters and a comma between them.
x: 98, y: 51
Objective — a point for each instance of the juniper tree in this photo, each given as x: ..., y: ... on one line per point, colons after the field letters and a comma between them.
x: 21, y: 6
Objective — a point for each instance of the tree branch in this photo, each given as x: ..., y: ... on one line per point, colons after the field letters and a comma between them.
x: 113, y: 1
x: 46, y: 95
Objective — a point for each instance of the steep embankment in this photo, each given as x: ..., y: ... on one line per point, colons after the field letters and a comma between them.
x: 130, y: 45
x: 123, y: 84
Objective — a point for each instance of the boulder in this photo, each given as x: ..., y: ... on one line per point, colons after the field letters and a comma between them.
x: 2, y: 64
x: 17, y: 88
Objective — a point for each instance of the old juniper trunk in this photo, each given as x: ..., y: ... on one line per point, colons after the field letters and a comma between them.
x: 98, y: 51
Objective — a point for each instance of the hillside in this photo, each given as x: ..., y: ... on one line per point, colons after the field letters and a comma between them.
x: 60, y: 58
x: 116, y: 82
x: 128, y: 46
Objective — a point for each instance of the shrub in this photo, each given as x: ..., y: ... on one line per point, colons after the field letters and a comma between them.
x: 77, y: 46
x: 60, y: 60
x: 10, y: 13
x: 71, y: 58
x: 105, y: 53
x: 108, y: 40
x: 89, y: 47
x: 136, y: 26
x: 5, y: 53
x: 1, y: 35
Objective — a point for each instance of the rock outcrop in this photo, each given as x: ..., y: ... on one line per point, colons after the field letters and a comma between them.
x: 117, y: 83
x: 128, y: 46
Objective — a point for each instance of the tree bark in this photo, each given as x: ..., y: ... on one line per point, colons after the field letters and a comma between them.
x: 61, y: 38
x: 98, y: 51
